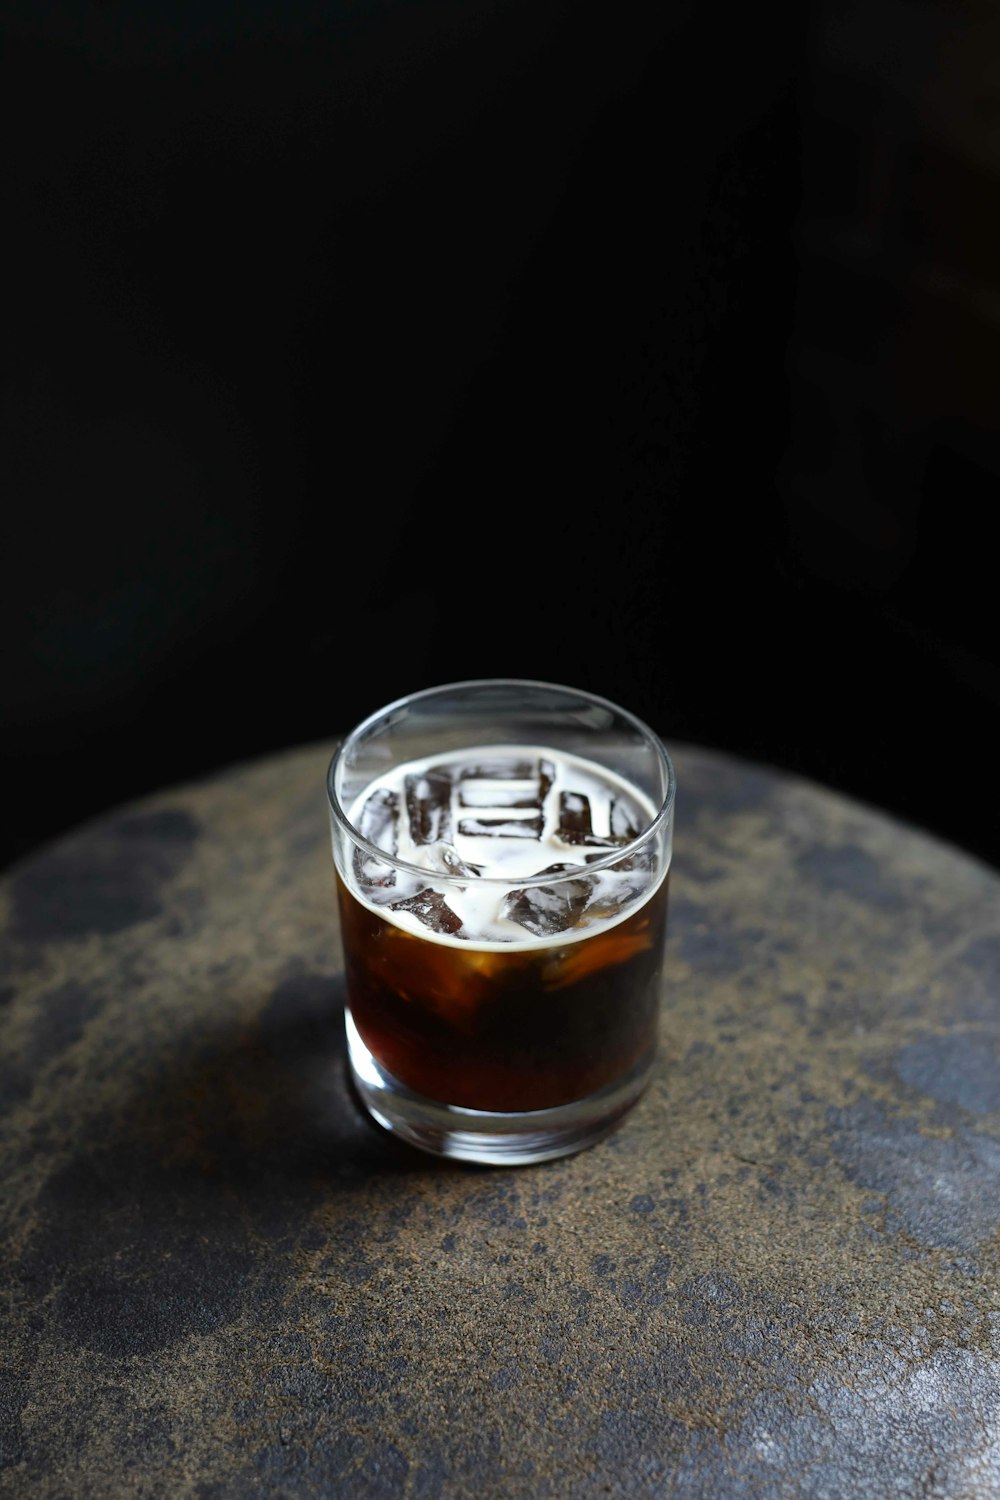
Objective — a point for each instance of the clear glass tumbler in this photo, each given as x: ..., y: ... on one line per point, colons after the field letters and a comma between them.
x: 502, y: 853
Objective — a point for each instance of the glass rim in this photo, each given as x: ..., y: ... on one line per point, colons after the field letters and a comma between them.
x: 608, y: 861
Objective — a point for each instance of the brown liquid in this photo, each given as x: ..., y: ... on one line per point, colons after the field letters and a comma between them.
x: 495, y: 1030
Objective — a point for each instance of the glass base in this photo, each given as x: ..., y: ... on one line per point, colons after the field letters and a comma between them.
x: 484, y: 1136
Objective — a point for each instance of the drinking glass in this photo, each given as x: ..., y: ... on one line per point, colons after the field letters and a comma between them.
x: 502, y: 852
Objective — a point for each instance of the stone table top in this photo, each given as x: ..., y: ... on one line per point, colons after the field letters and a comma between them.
x: 778, y: 1278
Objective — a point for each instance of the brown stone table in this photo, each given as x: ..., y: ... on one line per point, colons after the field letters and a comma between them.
x: 779, y: 1278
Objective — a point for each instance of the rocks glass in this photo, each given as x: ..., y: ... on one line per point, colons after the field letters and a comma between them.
x: 502, y: 852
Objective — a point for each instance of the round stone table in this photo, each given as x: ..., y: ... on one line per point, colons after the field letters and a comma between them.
x: 778, y: 1278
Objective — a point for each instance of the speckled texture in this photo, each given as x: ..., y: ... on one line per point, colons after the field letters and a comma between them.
x: 779, y: 1278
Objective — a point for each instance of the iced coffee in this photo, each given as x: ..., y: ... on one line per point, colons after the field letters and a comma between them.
x: 503, y: 911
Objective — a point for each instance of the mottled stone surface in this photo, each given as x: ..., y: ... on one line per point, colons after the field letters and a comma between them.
x: 779, y: 1278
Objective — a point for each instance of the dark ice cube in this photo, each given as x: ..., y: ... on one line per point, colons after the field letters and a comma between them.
x: 491, y: 797
x: 574, y: 818
x: 431, y: 908
x: 501, y: 828
x: 561, y: 869
x: 545, y: 909
x: 576, y: 825
x: 428, y: 805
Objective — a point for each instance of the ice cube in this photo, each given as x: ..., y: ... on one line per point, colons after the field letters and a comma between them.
x: 373, y: 874
x: 498, y: 770
x: 643, y: 859
x: 378, y: 820
x: 431, y: 908
x: 378, y: 824
x: 545, y: 909
x: 576, y: 825
x: 501, y: 828
x: 493, y: 785
x: 626, y: 821
x: 613, y: 890
x: 574, y: 818
x: 428, y: 805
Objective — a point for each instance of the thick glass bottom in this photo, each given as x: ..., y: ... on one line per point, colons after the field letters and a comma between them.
x: 490, y: 1138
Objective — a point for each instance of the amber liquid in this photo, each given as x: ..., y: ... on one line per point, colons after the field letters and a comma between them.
x: 500, y: 1030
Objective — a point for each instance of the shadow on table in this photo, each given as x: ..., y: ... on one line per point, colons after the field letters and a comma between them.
x: 232, y: 1173
x: 273, y: 1099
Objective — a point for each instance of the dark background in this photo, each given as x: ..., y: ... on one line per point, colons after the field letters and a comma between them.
x: 351, y: 349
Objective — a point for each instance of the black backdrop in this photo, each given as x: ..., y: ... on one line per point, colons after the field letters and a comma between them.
x: 356, y: 348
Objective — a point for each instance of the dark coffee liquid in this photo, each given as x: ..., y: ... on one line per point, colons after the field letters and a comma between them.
x: 520, y: 1028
